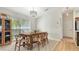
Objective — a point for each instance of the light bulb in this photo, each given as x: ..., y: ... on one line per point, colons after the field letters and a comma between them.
x: 67, y: 14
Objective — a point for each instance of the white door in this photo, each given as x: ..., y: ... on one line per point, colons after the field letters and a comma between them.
x: 68, y: 25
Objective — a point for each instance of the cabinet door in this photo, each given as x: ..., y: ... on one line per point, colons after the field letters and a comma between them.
x: 0, y: 25
x: 7, y: 25
x: 75, y: 25
x: 77, y: 38
x: 7, y: 37
x: 0, y: 37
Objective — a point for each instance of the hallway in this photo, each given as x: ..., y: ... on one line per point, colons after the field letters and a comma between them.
x: 66, y: 44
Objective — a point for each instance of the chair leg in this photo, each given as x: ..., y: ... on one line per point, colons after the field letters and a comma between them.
x: 38, y: 45
x: 43, y: 43
x: 31, y: 46
x: 15, y: 46
x: 19, y: 45
x: 47, y: 40
x: 23, y: 44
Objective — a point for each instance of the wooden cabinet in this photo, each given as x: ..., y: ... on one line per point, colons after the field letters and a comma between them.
x: 77, y: 38
x: 5, y: 29
x: 77, y: 30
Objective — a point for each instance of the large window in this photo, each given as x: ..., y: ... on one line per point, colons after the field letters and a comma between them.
x: 20, y: 26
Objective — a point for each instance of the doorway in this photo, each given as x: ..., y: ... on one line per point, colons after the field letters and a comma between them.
x: 68, y: 24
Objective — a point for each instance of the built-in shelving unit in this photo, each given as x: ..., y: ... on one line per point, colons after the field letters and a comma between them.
x: 5, y: 29
x: 77, y: 30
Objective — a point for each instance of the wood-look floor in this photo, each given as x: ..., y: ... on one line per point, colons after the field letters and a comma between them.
x: 66, y: 45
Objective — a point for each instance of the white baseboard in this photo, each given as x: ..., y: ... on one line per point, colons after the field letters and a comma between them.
x: 51, y: 38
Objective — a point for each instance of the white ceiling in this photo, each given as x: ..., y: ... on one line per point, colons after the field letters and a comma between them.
x: 19, y: 12
x: 23, y: 12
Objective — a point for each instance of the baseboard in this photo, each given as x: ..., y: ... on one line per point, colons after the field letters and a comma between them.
x: 56, y: 39
x: 67, y: 37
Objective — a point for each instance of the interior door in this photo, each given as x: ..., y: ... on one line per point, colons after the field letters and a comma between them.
x: 68, y: 25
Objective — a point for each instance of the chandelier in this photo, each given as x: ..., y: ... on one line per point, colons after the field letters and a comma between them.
x: 68, y: 10
x: 33, y: 13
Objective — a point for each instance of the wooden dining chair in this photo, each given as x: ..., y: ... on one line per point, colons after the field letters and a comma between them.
x: 24, y: 41
x: 44, y: 38
x: 40, y: 39
x: 35, y: 40
x: 18, y: 42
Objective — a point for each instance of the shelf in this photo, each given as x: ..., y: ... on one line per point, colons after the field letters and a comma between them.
x: 7, y: 39
x: 76, y: 30
x: 0, y: 37
x: 7, y: 36
x: 0, y: 22
x: 7, y: 31
x: 7, y: 24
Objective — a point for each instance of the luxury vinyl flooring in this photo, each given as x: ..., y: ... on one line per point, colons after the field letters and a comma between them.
x: 66, y: 45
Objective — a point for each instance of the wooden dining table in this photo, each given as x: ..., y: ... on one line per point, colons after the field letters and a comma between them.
x: 29, y: 38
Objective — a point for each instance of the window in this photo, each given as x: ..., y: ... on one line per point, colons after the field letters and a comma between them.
x: 20, y: 26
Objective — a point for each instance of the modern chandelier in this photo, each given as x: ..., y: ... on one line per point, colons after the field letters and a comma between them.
x: 33, y: 12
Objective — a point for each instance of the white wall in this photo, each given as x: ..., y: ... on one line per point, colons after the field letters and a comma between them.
x: 51, y: 22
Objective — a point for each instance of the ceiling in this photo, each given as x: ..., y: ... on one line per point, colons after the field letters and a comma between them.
x: 23, y: 12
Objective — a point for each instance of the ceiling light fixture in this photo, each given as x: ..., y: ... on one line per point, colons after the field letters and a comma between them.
x: 33, y: 12
x: 67, y: 11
